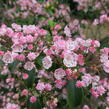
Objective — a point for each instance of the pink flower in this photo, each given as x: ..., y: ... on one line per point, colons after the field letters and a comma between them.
x: 21, y: 40
x: 8, y: 58
x: 48, y: 87
x: 71, y: 45
x: 1, y: 53
x: 59, y: 84
x: 106, y: 66
x: 11, y: 106
x: 30, y: 47
x: 60, y: 44
x: 59, y: 73
x: 56, y: 38
x: 17, y: 48
x: 31, y: 56
x: 40, y: 86
x: 16, y: 27
x: 92, y: 49
x: 67, y: 31
x: 25, y: 76
x: 31, y: 28
x: 29, y: 39
x: 16, y: 96
x: 87, y: 79
x: 95, y: 43
x: 94, y: 93
x: 96, y: 21
x: 58, y: 27
x: 47, y: 62
x: 100, y: 90
x: 54, y: 32
x: 42, y: 32
x: 70, y: 60
x: 81, y: 59
x: 33, y: 99
x: 86, y: 107
x: 20, y: 57
x: 48, y: 52
x: 80, y: 84
x: 29, y: 65
x: 24, y: 92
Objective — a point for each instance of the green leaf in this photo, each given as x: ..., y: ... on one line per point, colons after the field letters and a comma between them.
x: 31, y: 78
x: 48, y: 37
x: 13, y: 65
x: 38, y: 61
x: 1, y: 62
x: 74, y: 95
x: 51, y: 23
x: 35, y: 105
x: 104, y: 42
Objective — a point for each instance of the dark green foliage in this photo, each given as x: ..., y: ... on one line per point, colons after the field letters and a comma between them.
x: 38, y: 60
x: 74, y: 95
x: 35, y: 105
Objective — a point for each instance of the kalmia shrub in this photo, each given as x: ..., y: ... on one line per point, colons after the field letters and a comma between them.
x: 43, y: 71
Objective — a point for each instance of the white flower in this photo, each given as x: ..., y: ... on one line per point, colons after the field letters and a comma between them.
x: 29, y: 65
x: 8, y: 58
x: 17, y: 48
x: 70, y: 60
x: 47, y: 62
x: 67, y: 31
x: 87, y: 43
x: 71, y: 45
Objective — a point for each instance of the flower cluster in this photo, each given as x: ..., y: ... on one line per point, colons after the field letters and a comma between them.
x: 36, y: 65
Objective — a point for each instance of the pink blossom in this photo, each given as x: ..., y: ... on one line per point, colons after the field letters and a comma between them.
x: 80, y: 84
x: 59, y: 73
x: 58, y: 27
x: 20, y: 57
x: 71, y: 45
x: 85, y: 107
x: 17, y: 48
x: 31, y: 56
x: 8, y: 58
x: 40, y: 86
x: 67, y: 31
x: 92, y: 49
x: 29, y: 39
x: 100, y: 90
x: 70, y: 60
x: 16, y: 27
x: 87, y: 79
x: 60, y: 83
x: 47, y: 62
x: 81, y: 59
x: 25, y: 76
x: 30, y: 47
x: 42, y: 32
x: 48, y: 87
x: 94, y: 93
x: 106, y: 66
x: 12, y: 106
x: 29, y: 65
x: 60, y: 44
x: 1, y: 53
x: 24, y: 92
x: 33, y: 99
